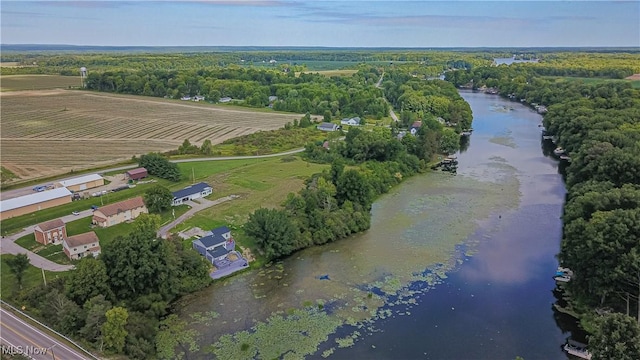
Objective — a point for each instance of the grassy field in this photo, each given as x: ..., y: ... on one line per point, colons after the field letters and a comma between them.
x: 634, y: 83
x: 263, y: 183
x: 83, y: 129
x: 191, y: 172
x: 38, y: 82
x: 330, y: 73
x: 32, y: 277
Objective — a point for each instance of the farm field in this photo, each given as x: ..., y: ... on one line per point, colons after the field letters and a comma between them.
x: 45, y: 133
x: 38, y: 82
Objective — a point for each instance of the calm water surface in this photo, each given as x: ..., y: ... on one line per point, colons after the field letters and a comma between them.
x: 453, y: 267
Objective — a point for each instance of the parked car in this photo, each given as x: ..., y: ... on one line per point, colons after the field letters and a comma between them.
x: 76, y: 213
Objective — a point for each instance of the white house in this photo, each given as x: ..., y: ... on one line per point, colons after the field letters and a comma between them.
x: 82, y: 245
x: 355, y: 121
x: 328, y: 127
x: 198, y: 190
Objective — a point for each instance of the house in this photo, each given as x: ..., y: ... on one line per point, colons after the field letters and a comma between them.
x: 325, y: 126
x: 119, y: 212
x: 215, y: 246
x: 50, y: 232
x: 82, y: 245
x: 136, y: 174
x: 352, y: 122
x: 225, y: 99
x: 198, y: 190
x: 81, y: 183
x: 272, y: 98
x: 415, y: 127
x: 33, y: 202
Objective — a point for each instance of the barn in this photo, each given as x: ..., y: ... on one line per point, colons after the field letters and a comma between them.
x: 33, y: 202
x: 136, y: 174
x: 81, y: 183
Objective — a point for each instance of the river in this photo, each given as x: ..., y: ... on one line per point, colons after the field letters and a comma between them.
x: 453, y: 267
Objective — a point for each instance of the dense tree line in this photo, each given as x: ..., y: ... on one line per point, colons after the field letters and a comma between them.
x: 158, y: 165
x: 116, y: 302
x: 599, y: 126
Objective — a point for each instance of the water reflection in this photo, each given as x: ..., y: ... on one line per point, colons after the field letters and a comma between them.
x: 465, y: 142
x: 499, y: 218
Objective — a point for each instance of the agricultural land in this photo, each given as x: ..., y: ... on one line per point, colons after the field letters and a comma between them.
x: 50, y: 132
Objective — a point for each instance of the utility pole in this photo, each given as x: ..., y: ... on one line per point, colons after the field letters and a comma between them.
x: 43, y: 277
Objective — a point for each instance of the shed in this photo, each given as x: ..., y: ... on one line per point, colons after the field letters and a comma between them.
x: 136, y: 174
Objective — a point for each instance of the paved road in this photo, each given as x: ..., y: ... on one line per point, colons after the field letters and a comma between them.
x: 22, y: 337
x: 195, y: 207
x: 29, y: 189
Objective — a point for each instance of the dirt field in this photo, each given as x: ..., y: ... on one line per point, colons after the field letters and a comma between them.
x: 633, y: 77
x: 37, y: 82
x: 50, y: 132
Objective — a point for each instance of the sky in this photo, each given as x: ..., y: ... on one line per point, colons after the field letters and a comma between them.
x: 329, y: 23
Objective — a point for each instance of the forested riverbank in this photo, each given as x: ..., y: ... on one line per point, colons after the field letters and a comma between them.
x: 598, y: 126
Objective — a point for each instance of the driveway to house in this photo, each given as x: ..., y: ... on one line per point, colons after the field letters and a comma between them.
x: 8, y: 245
x: 195, y: 207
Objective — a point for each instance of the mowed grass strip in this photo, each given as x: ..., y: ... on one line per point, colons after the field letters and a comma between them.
x: 38, y: 82
x: 32, y: 277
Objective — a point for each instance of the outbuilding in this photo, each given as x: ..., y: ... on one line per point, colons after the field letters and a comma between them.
x: 136, y: 174
x: 33, y: 202
x: 82, y: 183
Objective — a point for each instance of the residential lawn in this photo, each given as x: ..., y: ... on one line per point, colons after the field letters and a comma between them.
x: 265, y: 183
x: 31, y: 278
x: 16, y: 224
x: 56, y: 254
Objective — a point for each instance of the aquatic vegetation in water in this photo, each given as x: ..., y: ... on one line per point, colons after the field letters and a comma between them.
x: 295, y: 336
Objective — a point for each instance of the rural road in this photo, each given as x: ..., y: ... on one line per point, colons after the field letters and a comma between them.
x: 29, y: 189
x: 391, y: 113
x: 20, y: 337
x: 195, y: 207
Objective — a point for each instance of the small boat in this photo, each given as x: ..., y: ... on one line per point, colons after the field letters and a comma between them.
x: 465, y: 133
x: 577, y: 349
x: 565, y: 158
x: 558, y: 151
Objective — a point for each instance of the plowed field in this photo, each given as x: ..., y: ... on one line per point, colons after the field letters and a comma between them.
x: 51, y: 132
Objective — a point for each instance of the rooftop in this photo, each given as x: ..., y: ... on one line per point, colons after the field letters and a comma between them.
x: 50, y: 225
x: 217, y: 252
x: 189, y: 190
x: 129, y: 204
x: 80, y: 180
x: 26, y: 200
x: 220, y: 231
x: 82, y: 239
x: 137, y: 171
x: 211, y: 240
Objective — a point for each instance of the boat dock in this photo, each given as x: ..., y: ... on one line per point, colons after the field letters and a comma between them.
x: 577, y: 349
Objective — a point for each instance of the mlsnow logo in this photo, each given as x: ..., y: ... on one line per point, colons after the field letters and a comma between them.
x: 22, y: 350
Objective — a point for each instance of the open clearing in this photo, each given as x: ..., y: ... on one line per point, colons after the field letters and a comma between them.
x: 51, y: 132
x: 38, y: 82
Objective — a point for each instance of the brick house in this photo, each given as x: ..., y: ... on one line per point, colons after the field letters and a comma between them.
x: 82, y: 245
x: 50, y: 232
x: 119, y: 212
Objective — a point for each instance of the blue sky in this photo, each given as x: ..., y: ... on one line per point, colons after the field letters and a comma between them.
x: 355, y: 23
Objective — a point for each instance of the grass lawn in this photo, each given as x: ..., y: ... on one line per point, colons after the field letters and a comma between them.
x: 263, y: 183
x: 31, y: 278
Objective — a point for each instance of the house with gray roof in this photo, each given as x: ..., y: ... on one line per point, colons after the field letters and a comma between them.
x: 325, y: 126
x: 195, y: 191
x: 216, y: 245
